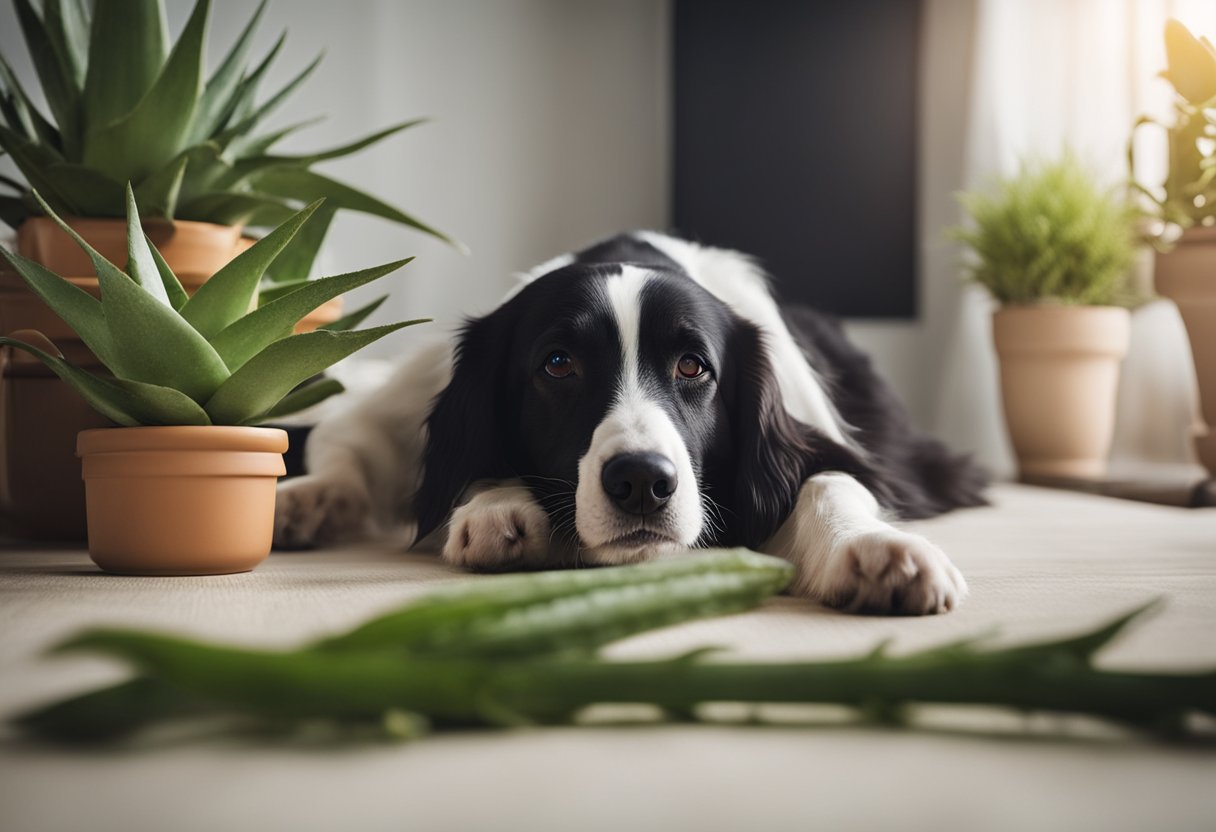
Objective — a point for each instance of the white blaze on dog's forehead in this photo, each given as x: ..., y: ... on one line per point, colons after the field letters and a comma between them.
x: 624, y: 293
x: 635, y: 422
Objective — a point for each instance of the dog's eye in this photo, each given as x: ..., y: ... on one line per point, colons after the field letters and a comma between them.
x: 559, y: 364
x: 690, y: 366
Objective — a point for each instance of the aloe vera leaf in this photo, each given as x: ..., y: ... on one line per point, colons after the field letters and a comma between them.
x: 155, y: 131
x: 79, y: 310
x: 302, y: 398
x: 570, y: 612
x: 248, y: 122
x: 127, y: 47
x: 242, y: 102
x: 33, y: 160
x: 173, y: 287
x: 140, y: 265
x: 224, y: 208
x: 246, y: 336
x: 20, y: 110
x: 58, y: 85
x: 258, y: 145
x: 297, y: 258
x: 353, y: 319
x: 152, y: 342
x: 297, y: 183
x: 159, y: 191
x: 226, y: 296
x: 248, y: 165
x: 271, y: 374
x: 91, y: 192
x: 108, y: 714
x: 123, y: 401
x: 67, y: 25
x: 221, y: 88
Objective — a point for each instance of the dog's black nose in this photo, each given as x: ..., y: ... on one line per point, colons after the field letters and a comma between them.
x: 639, y: 483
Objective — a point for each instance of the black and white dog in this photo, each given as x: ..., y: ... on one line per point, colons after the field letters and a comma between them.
x: 643, y: 395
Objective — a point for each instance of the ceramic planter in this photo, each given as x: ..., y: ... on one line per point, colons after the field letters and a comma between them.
x: 1059, y: 378
x: 41, y: 494
x: 1187, y: 276
x: 180, y: 500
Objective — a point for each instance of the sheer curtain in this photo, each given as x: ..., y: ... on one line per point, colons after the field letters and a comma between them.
x: 1048, y: 74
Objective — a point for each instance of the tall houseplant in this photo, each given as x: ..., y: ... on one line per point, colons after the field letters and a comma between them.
x: 122, y: 106
x: 1185, y: 205
x: 185, y: 484
x: 1054, y: 249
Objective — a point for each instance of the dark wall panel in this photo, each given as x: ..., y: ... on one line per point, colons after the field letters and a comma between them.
x: 795, y: 140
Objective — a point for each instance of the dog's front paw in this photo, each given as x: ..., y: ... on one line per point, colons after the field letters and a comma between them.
x: 499, y: 529
x: 311, y: 511
x: 889, y: 571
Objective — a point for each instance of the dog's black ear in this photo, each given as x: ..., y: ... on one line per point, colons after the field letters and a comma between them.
x: 777, y: 453
x: 465, y: 433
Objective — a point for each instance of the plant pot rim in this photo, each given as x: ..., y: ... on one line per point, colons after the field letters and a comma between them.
x: 1060, y: 309
x: 77, y: 222
x: 221, y: 438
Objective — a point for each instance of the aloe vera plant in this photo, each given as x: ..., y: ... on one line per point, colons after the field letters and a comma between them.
x: 445, y: 661
x: 203, y: 359
x: 125, y: 107
x: 1187, y: 197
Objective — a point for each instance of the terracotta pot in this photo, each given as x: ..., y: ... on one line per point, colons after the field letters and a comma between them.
x: 1187, y: 276
x: 41, y: 495
x: 194, y: 250
x: 181, y: 500
x: 1059, y: 377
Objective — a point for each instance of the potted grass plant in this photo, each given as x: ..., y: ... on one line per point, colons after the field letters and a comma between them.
x: 1054, y: 249
x: 185, y: 483
x: 124, y: 105
x: 1184, y: 210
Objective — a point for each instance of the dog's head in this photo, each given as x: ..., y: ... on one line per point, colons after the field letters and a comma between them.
x: 641, y: 411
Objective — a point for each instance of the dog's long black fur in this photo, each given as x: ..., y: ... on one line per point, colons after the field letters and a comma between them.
x: 751, y: 456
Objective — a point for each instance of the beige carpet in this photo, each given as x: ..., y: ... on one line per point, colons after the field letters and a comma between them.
x: 1039, y: 562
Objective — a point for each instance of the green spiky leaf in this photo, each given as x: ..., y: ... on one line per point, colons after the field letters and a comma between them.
x: 271, y: 374
x: 122, y: 401
x: 150, y: 340
x: 229, y: 292
x: 140, y: 265
x: 218, y: 98
x: 306, y: 185
x: 353, y: 319
x: 155, y: 131
x: 302, y: 398
x: 247, y: 336
x: 127, y: 48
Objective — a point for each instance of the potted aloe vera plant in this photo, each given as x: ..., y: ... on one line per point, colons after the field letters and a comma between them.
x: 185, y: 484
x: 123, y: 105
x: 1055, y: 249
x: 1184, y: 210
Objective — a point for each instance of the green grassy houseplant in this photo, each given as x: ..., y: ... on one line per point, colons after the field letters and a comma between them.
x: 1054, y: 249
x: 186, y: 484
x: 124, y: 104
x: 1183, y: 208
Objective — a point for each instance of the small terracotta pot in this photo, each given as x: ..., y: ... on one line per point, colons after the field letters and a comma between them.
x: 194, y: 250
x: 1059, y: 378
x: 1187, y: 276
x: 181, y: 500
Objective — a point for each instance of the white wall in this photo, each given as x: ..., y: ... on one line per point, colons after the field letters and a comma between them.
x: 550, y: 127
